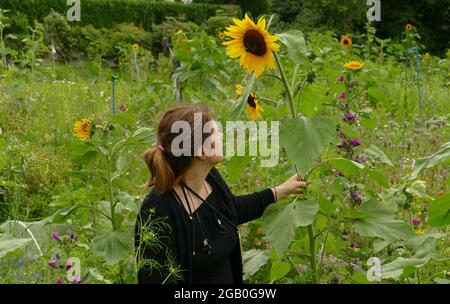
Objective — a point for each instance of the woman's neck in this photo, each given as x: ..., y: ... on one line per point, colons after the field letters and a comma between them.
x: 195, y: 176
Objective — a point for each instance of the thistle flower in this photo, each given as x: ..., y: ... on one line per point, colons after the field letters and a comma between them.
x: 349, y: 117
x: 354, y: 245
x: 69, y: 264
x: 341, y: 96
x: 56, y: 236
x: 355, y: 142
x: 343, y: 144
x: 52, y: 264
x: 56, y: 257
x: 415, y: 221
x: 73, y: 236
x: 340, y: 174
x: 340, y: 78
x: 340, y: 134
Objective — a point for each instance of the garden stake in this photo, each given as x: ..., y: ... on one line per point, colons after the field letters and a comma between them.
x: 113, y: 108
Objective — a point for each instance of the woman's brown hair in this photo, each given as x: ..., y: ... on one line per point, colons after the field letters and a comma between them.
x: 165, y: 168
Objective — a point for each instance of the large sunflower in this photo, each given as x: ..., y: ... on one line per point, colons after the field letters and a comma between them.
x: 253, y: 43
x: 83, y: 129
x: 354, y: 65
x: 346, y: 42
x: 408, y: 27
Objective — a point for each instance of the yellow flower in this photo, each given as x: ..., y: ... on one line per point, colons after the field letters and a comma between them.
x: 420, y: 231
x: 408, y: 27
x: 254, y: 108
x: 83, y: 129
x: 238, y: 89
x: 427, y: 56
x: 252, y: 43
x: 135, y: 47
x: 354, y: 65
x: 346, y: 42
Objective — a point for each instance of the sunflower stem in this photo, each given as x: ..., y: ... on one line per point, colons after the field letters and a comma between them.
x: 286, y: 85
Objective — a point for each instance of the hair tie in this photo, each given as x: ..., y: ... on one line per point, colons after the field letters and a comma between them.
x: 161, y: 148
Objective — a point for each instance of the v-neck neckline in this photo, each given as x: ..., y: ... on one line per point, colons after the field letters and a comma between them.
x: 199, y: 206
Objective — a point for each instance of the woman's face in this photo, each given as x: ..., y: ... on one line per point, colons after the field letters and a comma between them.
x: 213, y: 144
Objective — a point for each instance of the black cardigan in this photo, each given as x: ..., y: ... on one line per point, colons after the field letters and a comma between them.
x: 178, y: 239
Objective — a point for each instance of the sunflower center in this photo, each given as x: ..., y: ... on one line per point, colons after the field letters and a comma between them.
x: 345, y: 41
x: 254, y: 43
x: 251, y: 100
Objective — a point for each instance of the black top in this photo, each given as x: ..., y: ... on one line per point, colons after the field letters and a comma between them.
x: 224, y: 264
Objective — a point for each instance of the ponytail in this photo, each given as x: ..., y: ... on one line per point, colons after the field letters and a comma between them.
x: 163, y: 177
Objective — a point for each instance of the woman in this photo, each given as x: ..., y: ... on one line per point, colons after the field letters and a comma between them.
x: 186, y: 230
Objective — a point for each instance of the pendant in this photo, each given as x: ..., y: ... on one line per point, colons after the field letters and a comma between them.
x: 218, y: 220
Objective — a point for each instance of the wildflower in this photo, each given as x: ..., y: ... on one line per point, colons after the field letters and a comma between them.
x: 355, y: 142
x: 122, y: 108
x: 56, y: 257
x: 56, y: 236
x: 349, y: 117
x: 83, y: 129
x: 341, y: 96
x: 77, y: 279
x: 52, y: 263
x: 69, y: 264
x: 59, y: 281
x: 340, y: 174
x: 252, y: 43
x: 254, y: 108
x: 340, y: 134
x: 355, y: 197
x: 354, y: 65
x: 408, y: 27
x: 343, y: 144
x: 354, y: 245
x: 340, y: 78
x: 73, y: 236
x: 415, y: 221
x: 346, y: 42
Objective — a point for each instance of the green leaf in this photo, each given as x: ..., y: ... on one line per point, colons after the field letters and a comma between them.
x: 379, y: 221
x: 61, y: 215
x: 123, y: 118
x: 440, y: 157
x: 378, y: 95
x: 439, y: 211
x: 241, y: 103
x: 296, y: 45
x: 326, y: 207
x: 305, y: 138
x: 10, y: 245
x: 378, y: 155
x: 279, y: 270
x: 3, y: 159
x: 253, y: 260
x: 281, y: 221
x: 346, y: 166
x: 378, y: 177
x: 114, y: 246
x: 142, y: 135
x: 235, y: 166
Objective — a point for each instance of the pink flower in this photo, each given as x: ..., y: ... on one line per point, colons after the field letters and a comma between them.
x: 355, y: 142
x: 340, y: 78
x: 56, y: 236
x: 58, y: 282
x: 69, y: 264
x: 341, y: 96
x: 53, y: 263
x: 415, y: 221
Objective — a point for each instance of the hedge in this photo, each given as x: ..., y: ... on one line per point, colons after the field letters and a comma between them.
x: 107, y: 13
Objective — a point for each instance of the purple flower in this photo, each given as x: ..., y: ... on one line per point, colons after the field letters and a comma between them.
x: 58, y: 282
x: 69, y: 264
x: 415, y: 221
x: 345, y: 232
x: 340, y: 134
x: 56, y: 236
x: 340, y: 78
x: 340, y: 174
x: 341, y: 96
x: 355, y: 142
x: 354, y: 245
x: 349, y: 117
x: 53, y: 263
x: 355, y: 197
x: 77, y: 279
x: 73, y: 236
x: 56, y: 257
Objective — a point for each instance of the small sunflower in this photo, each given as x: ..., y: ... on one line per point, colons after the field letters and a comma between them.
x: 253, y: 43
x: 354, y: 65
x: 346, y: 42
x: 135, y: 47
x: 408, y: 27
x: 83, y: 129
x: 254, y: 108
